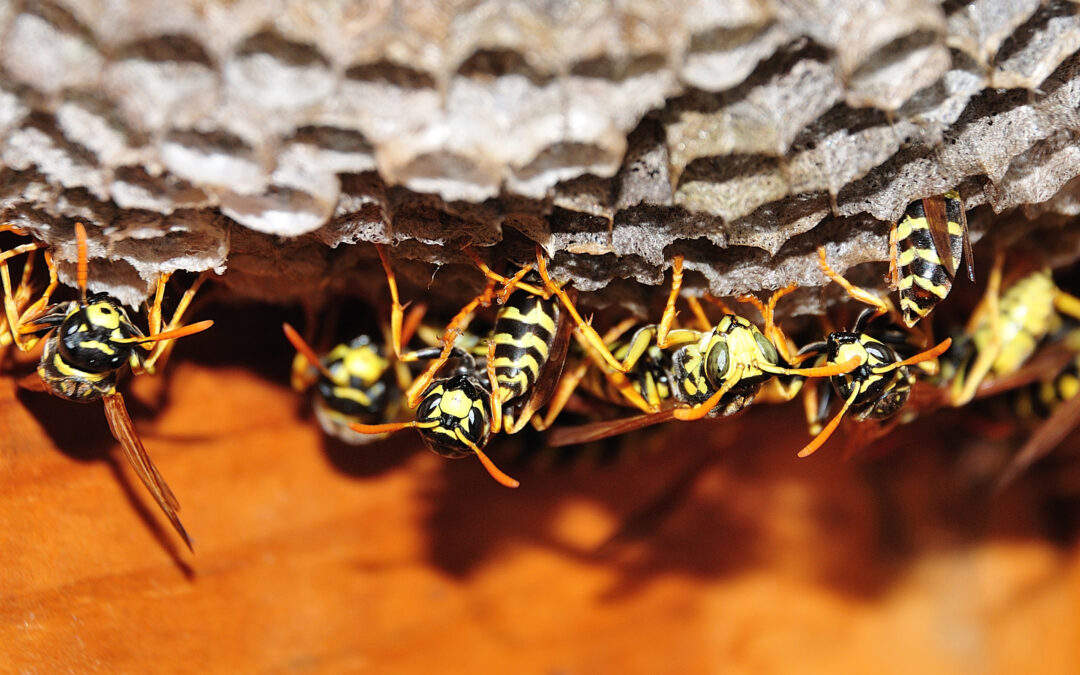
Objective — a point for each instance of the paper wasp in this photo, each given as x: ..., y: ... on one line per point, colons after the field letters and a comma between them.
x: 88, y: 343
x: 715, y: 370
x: 880, y: 384
x: 1006, y: 328
x: 457, y: 415
x: 355, y: 382
x: 927, y: 245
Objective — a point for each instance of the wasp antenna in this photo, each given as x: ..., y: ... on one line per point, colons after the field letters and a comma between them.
x: 305, y: 349
x: 820, y: 439
x: 390, y: 428
x: 496, y: 473
x: 932, y: 353
x: 824, y: 371
x: 82, y: 272
x: 174, y: 334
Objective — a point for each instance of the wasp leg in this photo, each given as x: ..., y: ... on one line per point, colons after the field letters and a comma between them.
x: 596, y: 343
x: 570, y: 381
x: 667, y: 319
x: 1067, y: 304
x: 771, y: 329
x: 702, y: 409
x: 38, y: 307
x: 894, y: 257
x: 14, y: 299
x: 713, y: 300
x: 509, y: 284
x: 159, y: 352
x: 964, y: 388
x: 860, y: 294
x: 455, y: 328
x: 496, y: 393
x: 568, y: 384
x: 702, y: 320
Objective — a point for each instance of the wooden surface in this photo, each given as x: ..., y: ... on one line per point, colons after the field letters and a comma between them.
x: 315, y: 557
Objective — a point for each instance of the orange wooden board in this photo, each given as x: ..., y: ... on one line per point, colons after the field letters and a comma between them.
x: 317, y: 557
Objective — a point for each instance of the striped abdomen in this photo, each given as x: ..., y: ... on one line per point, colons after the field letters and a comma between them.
x: 925, y: 280
x: 523, y: 335
x: 1040, y: 399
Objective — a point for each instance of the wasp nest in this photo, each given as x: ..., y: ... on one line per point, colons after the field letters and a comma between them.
x: 265, y: 138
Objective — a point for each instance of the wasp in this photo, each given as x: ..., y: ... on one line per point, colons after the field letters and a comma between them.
x: 1045, y: 396
x: 355, y: 382
x: 717, y: 369
x: 927, y: 245
x: 88, y: 343
x: 1006, y: 328
x: 1056, y: 401
x: 454, y: 414
x: 878, y: 387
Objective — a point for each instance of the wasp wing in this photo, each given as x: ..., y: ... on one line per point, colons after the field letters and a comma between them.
x: 937, y: 221
x: 124, y: 431
x: 595, y: 431
x: 1064, y: 419
x: 1045, y: 365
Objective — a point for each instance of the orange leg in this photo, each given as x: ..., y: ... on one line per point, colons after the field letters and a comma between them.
x: 667, y: 319
x: 455, y: 328
x: 860, y: 294
x: 508, y: 283
x: 596, y: 343
x: 702, y: 319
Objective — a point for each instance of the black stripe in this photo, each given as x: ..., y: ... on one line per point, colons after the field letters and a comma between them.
x: 519, y: 329
x: 932, y: 271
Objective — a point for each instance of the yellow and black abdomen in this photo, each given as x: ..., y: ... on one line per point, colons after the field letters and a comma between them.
x: 524, y: 333
x: 925, y: 280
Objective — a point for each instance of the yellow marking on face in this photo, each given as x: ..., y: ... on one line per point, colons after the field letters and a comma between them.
x: 852, y: 350
x: 455, y: 403
x: 103, y: 315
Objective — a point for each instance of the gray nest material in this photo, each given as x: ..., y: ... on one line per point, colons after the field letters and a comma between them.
x: 265, y: 138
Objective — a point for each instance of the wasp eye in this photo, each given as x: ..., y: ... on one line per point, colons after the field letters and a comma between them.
x: 766, y: 348
x: 879, y: 352
x: 717, y: 362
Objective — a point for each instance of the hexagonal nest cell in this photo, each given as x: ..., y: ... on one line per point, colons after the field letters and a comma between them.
x: 266, y: 141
